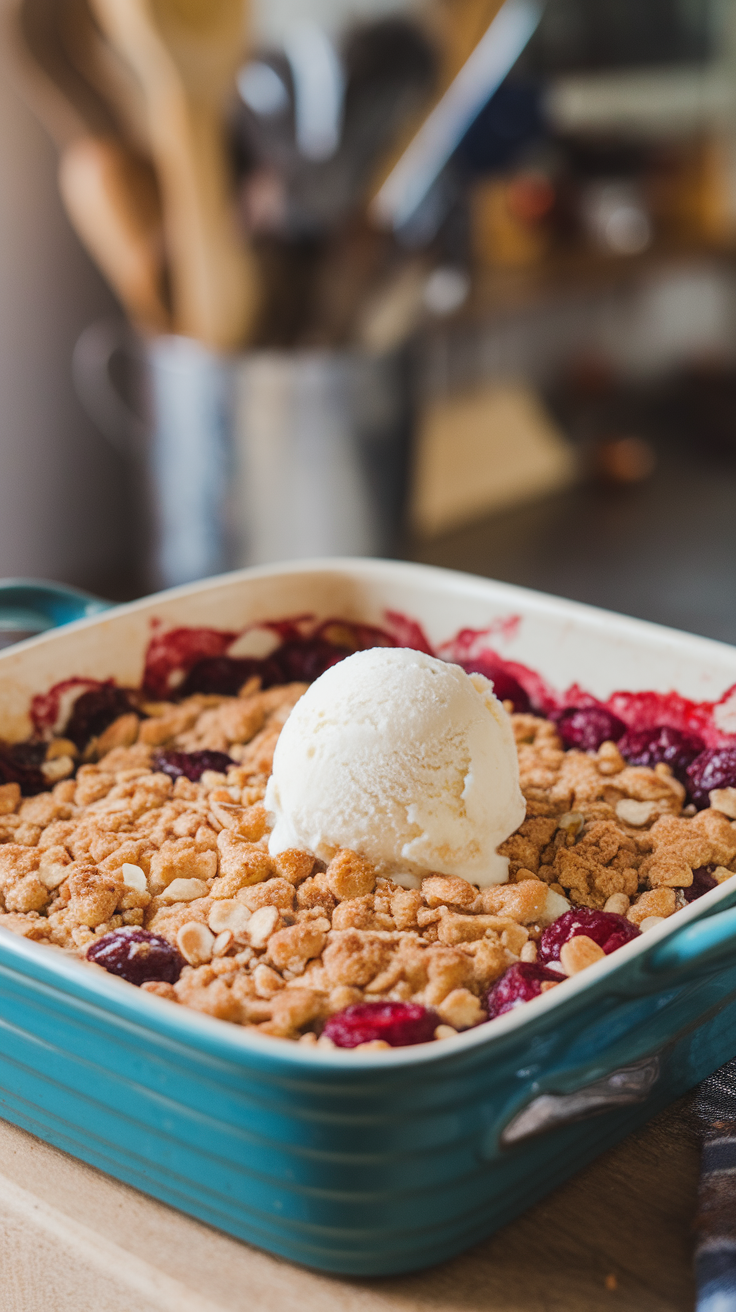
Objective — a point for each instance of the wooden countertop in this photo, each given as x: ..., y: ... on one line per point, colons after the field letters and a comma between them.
x: 614, y: 1239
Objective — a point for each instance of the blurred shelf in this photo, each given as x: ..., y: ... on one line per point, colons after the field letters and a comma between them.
x: 575, y: 271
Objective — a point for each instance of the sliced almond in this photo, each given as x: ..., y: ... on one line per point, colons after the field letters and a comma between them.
x: 651, y: 922
x: 571, y: 822
x: 579, y: 953
x: 262, y: 925
x: 134, y: 877
x: 636, y: 814
x: 184, y: 890
x: 223, y: 943
x: 227, y: 913
x: 195, y: 942
x: 555, y: 905
x: 60, y: 767
x: 618, y: 904
x: 445, y: 1032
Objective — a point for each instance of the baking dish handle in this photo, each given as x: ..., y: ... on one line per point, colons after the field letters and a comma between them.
x: 31, y: 606
x: 695, y: 951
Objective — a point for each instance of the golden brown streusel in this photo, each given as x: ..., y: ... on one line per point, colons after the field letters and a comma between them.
x: 282, y: 943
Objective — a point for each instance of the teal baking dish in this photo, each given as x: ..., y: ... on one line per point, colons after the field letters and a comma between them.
x: 386, y: 1162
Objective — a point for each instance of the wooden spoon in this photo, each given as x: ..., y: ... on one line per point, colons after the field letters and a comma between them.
x: 108, y: 189
x: 65, y: 103
x: 186, y: 54
x: 112, y: 199
x: 102, y: 68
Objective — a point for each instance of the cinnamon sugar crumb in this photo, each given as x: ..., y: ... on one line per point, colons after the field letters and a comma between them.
x: 281, y: 943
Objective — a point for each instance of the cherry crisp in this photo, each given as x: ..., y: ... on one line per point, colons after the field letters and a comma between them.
x: 144, y: 851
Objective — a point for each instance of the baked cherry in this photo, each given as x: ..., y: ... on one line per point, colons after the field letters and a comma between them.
x: 94, y: 711
x: 703, y: 882
x: 297, y: 661
x: 508, y: 689
x: 137, y: 956
x: 520, y: 983
x: 586, y: 727
x: 505, y: 685
x: 302, y: 661
x: 713, y: 768
x: 650, y: 746
x: 191, y: 764
x: 397, y: 1023
x: 20, y: 763
x: 605, y: 928
x: 222, y: 676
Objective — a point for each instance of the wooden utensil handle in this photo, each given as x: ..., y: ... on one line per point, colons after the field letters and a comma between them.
x: 111, y: 198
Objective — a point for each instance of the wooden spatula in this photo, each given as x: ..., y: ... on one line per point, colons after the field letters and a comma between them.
x: 185, y: 54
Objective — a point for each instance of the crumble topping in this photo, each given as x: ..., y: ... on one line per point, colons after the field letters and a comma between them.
x: 283, y: 943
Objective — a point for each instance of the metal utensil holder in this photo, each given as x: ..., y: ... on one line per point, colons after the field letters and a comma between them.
x: 260, y: 457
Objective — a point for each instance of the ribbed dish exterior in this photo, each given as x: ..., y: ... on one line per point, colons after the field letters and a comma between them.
x: 353, y: 1165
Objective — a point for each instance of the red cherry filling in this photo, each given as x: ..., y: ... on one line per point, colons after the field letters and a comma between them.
x: 299, y: 661
x: 192, y: 764
x: 586, y: 727
x: 650, y: 746
x: 520, y: 983
x: 397, y: 1023
x: 713, y: 768
x: 605, y: 928
x: 137, y: 956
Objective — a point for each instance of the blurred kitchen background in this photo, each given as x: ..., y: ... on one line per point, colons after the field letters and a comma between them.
x: 450, y: 280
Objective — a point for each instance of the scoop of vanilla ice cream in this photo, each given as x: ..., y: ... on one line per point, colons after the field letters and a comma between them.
x: 403, y: 758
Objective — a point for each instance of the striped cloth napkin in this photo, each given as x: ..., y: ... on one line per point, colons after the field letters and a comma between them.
x: 715, y: 1224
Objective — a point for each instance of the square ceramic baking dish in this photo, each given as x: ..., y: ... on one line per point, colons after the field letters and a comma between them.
x: 367, y: 1163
